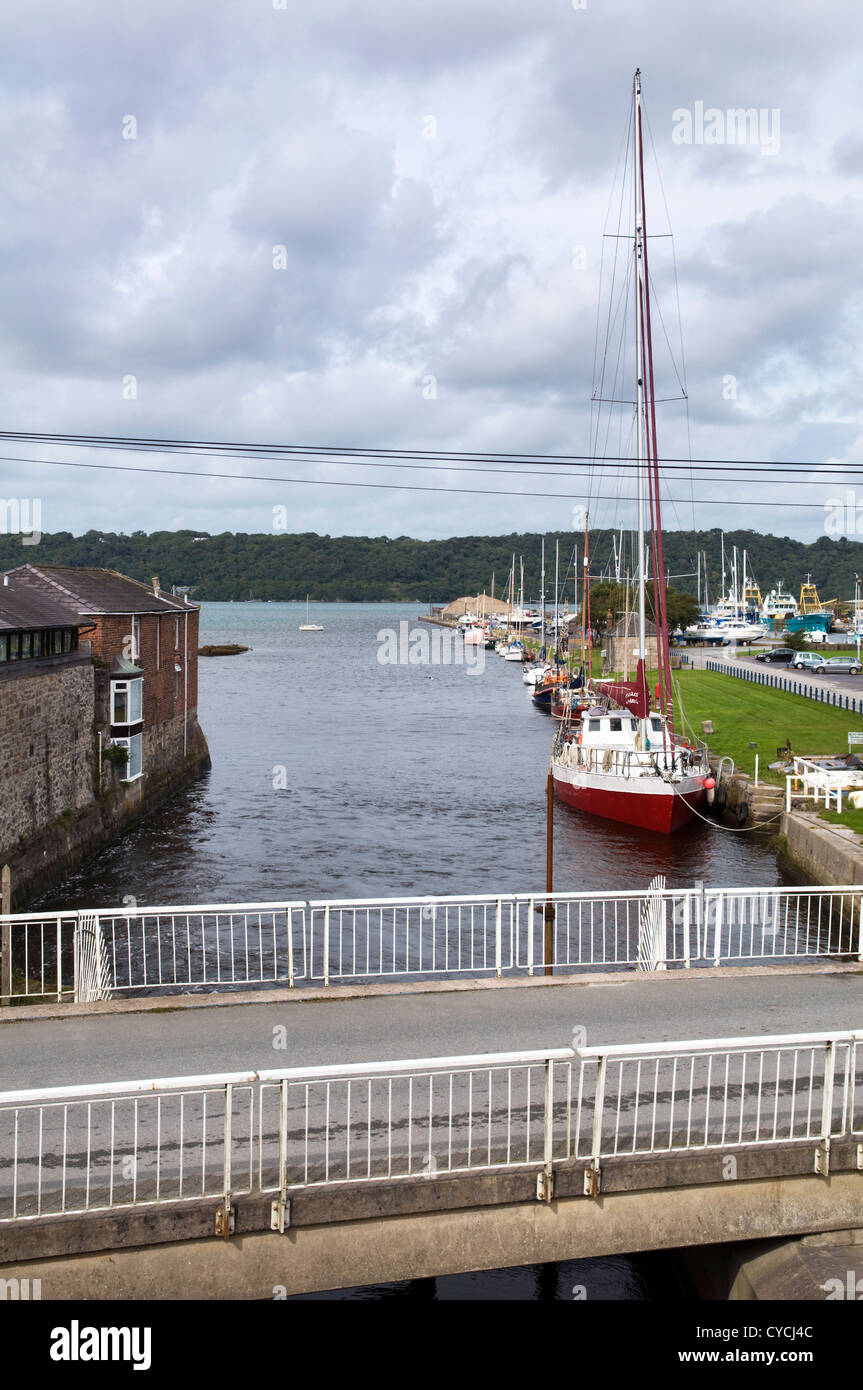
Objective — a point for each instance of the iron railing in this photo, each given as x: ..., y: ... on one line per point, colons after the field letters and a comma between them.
x: 107, y: 952
x: 93, y: 1148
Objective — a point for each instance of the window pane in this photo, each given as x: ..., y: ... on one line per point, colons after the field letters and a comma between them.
x: 136, y: 701
x: 134, y: 768
x: 4, y: 648
x: 119, y: 711
x: 37, y: 644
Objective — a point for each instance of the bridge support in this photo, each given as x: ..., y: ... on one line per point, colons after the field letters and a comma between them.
x: 338, y: 1237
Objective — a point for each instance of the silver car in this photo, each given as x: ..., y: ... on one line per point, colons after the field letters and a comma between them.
x: 808, y: 661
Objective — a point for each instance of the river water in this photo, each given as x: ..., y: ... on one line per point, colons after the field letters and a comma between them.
x: 339, y: 774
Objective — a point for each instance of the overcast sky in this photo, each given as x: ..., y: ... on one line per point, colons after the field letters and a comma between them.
x: 430, y: 168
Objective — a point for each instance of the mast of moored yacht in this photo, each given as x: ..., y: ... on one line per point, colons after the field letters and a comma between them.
x: 639, y: 373
x: 648, y: 396
x: 542, y: 602
x: 557, y: 600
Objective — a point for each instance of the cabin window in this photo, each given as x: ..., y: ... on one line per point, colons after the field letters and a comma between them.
x: 126, y: 701
x: 616, y: 726
x: 593, y: 726
x: 656, y: 725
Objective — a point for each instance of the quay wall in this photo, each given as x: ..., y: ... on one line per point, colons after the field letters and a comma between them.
x: 58, y: 808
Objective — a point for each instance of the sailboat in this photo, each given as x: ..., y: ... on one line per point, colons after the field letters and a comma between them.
x: 308, y: 625
x: 626, y: 763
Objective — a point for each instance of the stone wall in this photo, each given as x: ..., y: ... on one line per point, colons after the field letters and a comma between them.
x: 46, y: 751
x: 53, y: 815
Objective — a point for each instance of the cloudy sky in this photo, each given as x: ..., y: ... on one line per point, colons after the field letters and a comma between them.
x: 381, y: 224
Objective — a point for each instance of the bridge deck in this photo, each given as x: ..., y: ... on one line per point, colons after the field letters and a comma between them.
x: 79, y: 1050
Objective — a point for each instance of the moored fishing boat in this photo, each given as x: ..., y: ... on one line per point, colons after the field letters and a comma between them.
x: 628, y: 764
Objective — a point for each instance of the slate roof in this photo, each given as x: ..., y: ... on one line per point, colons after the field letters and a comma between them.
x: 23, y: 607
x: 92, y: 591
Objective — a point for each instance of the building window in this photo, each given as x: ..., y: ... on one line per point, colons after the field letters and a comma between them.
x: 25, y: 645
x: 4, y: 647
x: 14, y: 646
x: 134, y: 767
x: 127, y: 702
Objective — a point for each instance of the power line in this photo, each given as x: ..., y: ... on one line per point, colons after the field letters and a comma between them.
x: 318, y: 452
x: 398, y: 487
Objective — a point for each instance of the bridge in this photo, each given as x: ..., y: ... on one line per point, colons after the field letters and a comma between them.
x: 657, y: 1119
x: 243, y: 1183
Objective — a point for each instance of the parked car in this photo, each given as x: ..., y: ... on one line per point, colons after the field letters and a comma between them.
x: 779, y: 655
x: 808, y: 661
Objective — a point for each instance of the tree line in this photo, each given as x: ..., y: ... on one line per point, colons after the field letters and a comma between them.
x: 287, y: 566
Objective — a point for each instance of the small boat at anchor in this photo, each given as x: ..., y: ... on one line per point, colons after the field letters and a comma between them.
x: 308, y: 625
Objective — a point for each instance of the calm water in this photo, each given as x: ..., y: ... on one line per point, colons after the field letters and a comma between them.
x: 335, y: 775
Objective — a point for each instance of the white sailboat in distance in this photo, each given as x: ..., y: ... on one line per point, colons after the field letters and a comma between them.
x: 309, y: 626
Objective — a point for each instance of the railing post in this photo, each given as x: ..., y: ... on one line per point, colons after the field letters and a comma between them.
x: 859, y: 926
x: 498, y: 926
x: 545, y: 1179
x: 822, y: 1153
x: 530, y: 910
x: 717, y: 928
x: 6, y: 939
x: 593, y: 1172
x: 289, y: 914
x: 280, y: 1209
x: 687, y: 904
x: 225, y: 1215
x: 327, y: 944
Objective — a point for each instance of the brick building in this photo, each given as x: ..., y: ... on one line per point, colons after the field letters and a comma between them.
x: 90, y: 659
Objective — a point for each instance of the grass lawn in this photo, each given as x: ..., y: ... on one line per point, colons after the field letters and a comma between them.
x: 743, y: 712
x: 853, y: 819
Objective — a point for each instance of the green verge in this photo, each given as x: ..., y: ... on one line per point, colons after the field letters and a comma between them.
x: 852, y: 819
x: 744, y: 713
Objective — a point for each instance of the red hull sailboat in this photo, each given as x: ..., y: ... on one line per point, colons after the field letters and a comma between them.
x: 624, y: 761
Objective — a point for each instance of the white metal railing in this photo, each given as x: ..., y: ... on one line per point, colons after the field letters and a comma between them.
x: 174, y: 949
x: 120, y: 1144
x: 816, y: 779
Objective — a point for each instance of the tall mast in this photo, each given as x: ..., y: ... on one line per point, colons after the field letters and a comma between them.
x: 660, y: 609
x: 639, y: 300
x: 556, y: 599
x: 542, y: 601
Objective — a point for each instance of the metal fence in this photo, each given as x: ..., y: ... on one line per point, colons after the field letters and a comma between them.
x: 95, y: 1148
x: 825, y: 695
x: 117, y: 951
